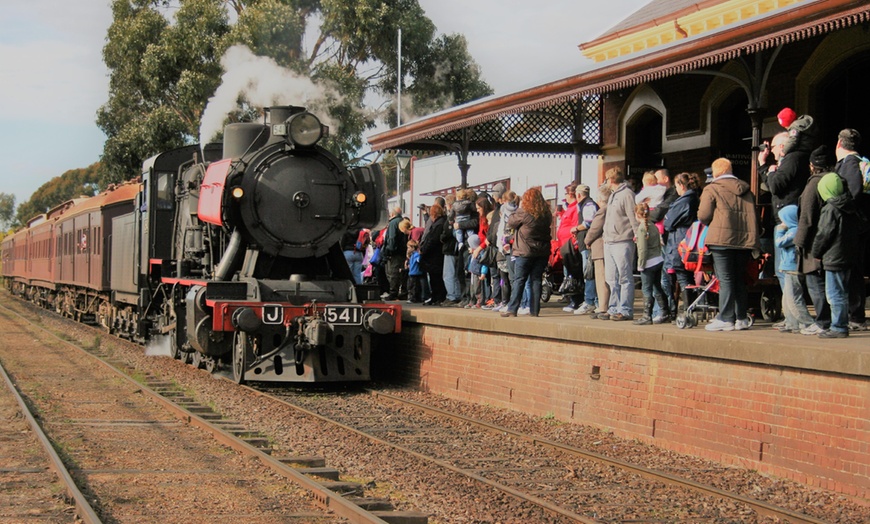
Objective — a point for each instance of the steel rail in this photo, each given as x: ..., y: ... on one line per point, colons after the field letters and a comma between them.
x: 759, y: 506
x: 327, y: 498
x: 552, y: 508
x: 84, y: 510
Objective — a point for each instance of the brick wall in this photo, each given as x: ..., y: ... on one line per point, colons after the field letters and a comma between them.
x: 811, y: 427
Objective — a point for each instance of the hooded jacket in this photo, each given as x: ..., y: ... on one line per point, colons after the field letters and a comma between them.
x: 679, y: 218
x: 810, y: 208
x: 837, y: 237
x: 789, y: 179
x: 728, y: 208
x: 783, y: 237
x: 620, y: 220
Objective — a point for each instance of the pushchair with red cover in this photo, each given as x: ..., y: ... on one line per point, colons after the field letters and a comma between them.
x: 696, y: 257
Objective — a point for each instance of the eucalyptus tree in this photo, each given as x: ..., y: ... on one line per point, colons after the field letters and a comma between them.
x: 164, y: 72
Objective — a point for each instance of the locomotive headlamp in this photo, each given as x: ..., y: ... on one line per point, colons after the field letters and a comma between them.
x: 238, y: 193
x: 304, y: 129
x: 360, y: 198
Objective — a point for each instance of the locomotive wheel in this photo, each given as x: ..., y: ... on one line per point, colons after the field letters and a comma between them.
x: 210, y: 364
x: 196, y: 359
x: 173, y: 346
x: 240, y: 357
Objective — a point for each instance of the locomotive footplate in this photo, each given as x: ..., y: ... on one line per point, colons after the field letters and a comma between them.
x: 309, y: 343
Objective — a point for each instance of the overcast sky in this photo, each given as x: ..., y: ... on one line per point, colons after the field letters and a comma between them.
x: 52, y: 78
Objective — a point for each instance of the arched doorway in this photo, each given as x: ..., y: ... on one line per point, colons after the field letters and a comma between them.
x: 843, y: 102
x: 643, y: 143
x: 734, y: 134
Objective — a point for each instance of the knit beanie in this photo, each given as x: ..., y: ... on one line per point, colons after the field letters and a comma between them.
x: 474, y: 241
x: 786, y: 117
x: 820, y: 157
x: 830, y: 186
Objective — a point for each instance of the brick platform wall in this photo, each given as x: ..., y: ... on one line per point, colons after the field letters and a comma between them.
x: 811, y: 427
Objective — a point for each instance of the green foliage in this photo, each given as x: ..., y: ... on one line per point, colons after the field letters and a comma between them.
x: 7, y: 210
x: 72, y: 184
x: 163, y: 73
x: 161, y: 77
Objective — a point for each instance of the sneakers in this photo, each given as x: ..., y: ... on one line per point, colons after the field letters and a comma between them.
x: 719, y: 325
x: 568, y: 309
x: 619, y: 317
x: 833, y: 334
x: 449, y: 303
x: 812, y: 329
x: 742, y: 324
x: 584, y: 309
x: 602, y: 316
x: 643, y: 321
x: 500, y: 308
x: 524, y: 311
x: 857, y: 326
x: 779, y: 326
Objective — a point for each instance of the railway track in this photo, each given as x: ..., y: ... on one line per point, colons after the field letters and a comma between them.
x: 568, y: 482
x: 136, y: 448
x: 510, y: 470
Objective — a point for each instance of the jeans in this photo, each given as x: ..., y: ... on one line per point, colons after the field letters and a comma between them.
x: 730, y: 266
x: 451, y: 279
x: 793, y: 305
x: 837, y: 292
x: 618, y: 262
x: 816, y: 289
x: 354, y: 260
x: 651, y: 285
x: 590, y: 296
x: 531, y: 270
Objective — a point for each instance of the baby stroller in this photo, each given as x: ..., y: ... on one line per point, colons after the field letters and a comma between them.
x: 552, y: 274
x: 696, y: 257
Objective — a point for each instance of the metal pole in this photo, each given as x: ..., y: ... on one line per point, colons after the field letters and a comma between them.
x: 399, y: 121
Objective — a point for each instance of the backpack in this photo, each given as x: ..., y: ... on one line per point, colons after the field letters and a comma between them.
x: 693, y: 249
x: 362, y: 240
x: 864, y: 167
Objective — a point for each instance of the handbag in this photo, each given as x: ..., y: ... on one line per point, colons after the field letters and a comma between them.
x: 488, y: 256
x: 589, y: 270
x: 569, y: 286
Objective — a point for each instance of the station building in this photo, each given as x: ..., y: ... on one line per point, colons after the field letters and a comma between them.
x: 677, y: 84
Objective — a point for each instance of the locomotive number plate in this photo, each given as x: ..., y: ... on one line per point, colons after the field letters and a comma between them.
x: 339, y: 315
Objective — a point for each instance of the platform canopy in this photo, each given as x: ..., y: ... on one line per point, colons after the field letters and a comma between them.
x: 663, y: 39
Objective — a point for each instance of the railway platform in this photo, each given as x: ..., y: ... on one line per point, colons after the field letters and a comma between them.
x: 786, y: 404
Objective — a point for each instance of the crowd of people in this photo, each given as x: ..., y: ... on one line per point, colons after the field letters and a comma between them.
x: 490, y: 250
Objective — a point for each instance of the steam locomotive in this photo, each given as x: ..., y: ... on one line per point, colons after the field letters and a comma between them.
x: 228, y: 256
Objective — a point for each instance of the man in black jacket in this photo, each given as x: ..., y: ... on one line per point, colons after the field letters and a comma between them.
x: 395, y: 248
x: 787, y: 178
x: 835, y: 244
x: 849, y: 169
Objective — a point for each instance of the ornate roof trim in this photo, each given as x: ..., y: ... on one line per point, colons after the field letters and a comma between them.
x: 802, y: 22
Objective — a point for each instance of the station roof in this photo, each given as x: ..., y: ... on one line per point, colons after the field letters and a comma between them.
x: 538, y: 120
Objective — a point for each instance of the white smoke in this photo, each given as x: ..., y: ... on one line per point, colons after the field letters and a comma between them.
x: 263, y: 83
x: 159, y: 346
